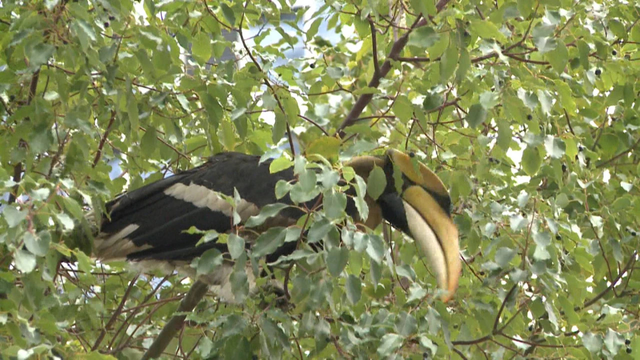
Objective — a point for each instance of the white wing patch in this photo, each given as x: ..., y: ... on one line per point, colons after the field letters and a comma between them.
x: 117, y: 246
x: 201, y: 196
x: 428, y: 241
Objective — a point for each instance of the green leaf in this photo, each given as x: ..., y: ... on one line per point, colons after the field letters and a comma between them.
x: 583, y: 50
x: 85, y: 33
x: 377, y: 182
x: 39, y: 54
x: 593, y: 342
x: 13, y: 216
x: 375, y: 248
x: 319, y: 229
x: 208, y: 262
x: 37, y: 244
x: 337, y: 259
x: 531, y: 160
x: 354, y: 289
x: 504, y: 134
x: 279, y: 164
x: 149, y: 141
x: 201, y: 47
x: 403, y: 108
x: 24, y: 260
x: 389, y: 344
x: 327, y: 147
x: 239, y: 283
x: 307, y: 180
x: 406, y: 324
x: 431, y: 101
x: 227, y: 135
x: 423, y: 37
x: 279, y: 127
x: 525, y: 8
x: 545, y: 44
x: 334, y: 204
x: 464, y: 64
x: 555, y: 147
x: 558, y: 57
x: 424, y: 7
x: 476, y: 116
x: 266, y: 212
x: 269, y: 241
x: 448, y: 62
x: 542, y: 240
x: 235, y: 244
x: 486, y: 30
x: 504, y: 256
x: 609, y: 144
x: 228, y: 13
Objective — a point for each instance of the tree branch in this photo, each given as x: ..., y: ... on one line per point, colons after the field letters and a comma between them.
x: 193, y: 297
x: 365, y: 99
x: 606, y: 162
x: 115, y: 314
x: 103, y: 139
x: 613, y: 283
x: 374, y: 43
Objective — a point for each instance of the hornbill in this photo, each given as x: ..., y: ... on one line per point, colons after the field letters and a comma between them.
x: 149, y: 225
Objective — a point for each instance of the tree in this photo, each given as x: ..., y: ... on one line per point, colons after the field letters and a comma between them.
x: 526, y: 109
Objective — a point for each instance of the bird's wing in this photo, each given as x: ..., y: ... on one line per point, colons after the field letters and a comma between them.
x: 150, y: 223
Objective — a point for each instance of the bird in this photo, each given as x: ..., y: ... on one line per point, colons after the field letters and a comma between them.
x: 149, y: 226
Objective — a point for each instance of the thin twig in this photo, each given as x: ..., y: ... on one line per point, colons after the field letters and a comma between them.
x: 606, y: 162
x: 115, y: 314
x: 613, y: 283
x: 376, y: 65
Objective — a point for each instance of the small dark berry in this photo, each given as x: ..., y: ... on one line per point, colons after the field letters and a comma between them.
x: 312, y: 65
x: 558, y: 237
x: 598, y: 72
x: 627, y: 342
x: 529, y: 117
x: 564, y: 167
x: 481, y: 273
x: 628, y: 350
x: 580, y: 148
x: 614, y: 53
x: 106, y: 24
x: 412, y: 154
x: 111, y: 17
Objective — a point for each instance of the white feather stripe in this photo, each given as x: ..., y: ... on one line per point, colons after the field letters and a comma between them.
x: 117, y: 246
x: 201, y: 196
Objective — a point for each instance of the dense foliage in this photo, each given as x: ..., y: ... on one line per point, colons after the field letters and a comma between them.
x: 526, y: 109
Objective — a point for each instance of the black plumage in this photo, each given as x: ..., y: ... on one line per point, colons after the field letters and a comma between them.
x: 163, y: 219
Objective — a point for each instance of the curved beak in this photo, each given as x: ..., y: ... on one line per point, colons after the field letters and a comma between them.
x: 437, y: 236
x: 426, y: 204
